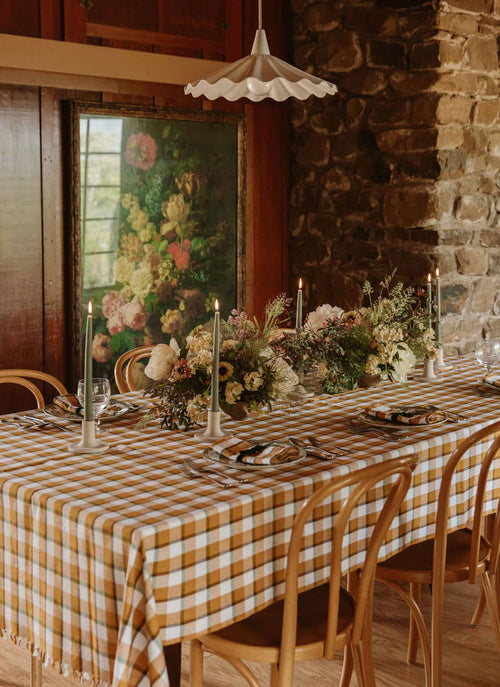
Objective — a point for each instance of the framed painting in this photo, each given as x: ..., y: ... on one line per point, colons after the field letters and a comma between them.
x: 157, y: 210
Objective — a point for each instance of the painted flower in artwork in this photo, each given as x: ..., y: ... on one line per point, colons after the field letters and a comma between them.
x: 171, y: 260
x: 101, y: 351
x: 141, y: 151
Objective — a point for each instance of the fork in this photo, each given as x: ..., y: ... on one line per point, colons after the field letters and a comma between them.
x: 220, y: 482
x: 318, y: 444
x: 189, y: 462
x: 40, y: 423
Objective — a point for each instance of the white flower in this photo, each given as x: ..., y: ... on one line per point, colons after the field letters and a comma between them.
x: 123, y: 269
x: 197, y: 408
x: 372, y: 365
x: 285, y: 380
x: 141, y: 281
x: 176, y: 209
x: 161, y: 362
x: 403, y: 363
x: 233, y: 392
x: 253, y: 381
x: 317, y: 318
x: 228, y: 344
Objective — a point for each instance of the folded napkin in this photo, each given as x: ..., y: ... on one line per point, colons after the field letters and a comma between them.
x: 406, y: 415
x: 69, y: 403
x: 492, y: 380
x: 243, y: 451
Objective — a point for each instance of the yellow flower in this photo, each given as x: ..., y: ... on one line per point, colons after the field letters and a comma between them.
x: 123, y: 269
x: 225, y: 371
x: 171, y: 321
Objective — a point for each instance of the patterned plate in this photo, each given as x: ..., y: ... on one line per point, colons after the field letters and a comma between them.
x: 385, y: 424
x: 114, y: 410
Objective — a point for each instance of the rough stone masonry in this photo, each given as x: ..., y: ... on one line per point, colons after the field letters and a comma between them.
x: 402, y: 167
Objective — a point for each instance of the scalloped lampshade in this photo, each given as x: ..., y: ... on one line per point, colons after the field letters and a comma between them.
x: 259, y: 76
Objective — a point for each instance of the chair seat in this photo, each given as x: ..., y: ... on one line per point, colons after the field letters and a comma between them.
x: 414, y: 564
x: 261, y: 632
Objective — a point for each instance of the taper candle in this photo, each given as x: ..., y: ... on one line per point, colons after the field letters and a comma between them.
x: 88, y: 413
x: 429, y: 299
x: 298, y: 314
x: 214, y: 398
x: 438, y: 306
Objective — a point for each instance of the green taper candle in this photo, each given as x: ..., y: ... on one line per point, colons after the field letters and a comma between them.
x: 214, y: 399
x: 88, y: 414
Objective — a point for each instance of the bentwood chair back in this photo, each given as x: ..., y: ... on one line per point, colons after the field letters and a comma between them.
x: 124, y: 367
x: 23, y: 378
x: 462, y: 555
x: 318, y: 622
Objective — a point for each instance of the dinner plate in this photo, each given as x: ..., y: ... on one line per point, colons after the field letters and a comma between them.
x: 489, y: 385
x: 211, y: 455
x: 385, y: 424
x: 114, y: 410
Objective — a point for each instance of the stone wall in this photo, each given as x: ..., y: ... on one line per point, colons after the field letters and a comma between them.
x: 402, y: 168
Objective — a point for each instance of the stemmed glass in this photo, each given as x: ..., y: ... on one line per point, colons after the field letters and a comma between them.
x: 487, y: 353
x: 101, y: 395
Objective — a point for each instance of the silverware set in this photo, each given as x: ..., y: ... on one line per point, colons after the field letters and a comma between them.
x: 318, y: 449
x: 31, y: 423
x: 192, y: 469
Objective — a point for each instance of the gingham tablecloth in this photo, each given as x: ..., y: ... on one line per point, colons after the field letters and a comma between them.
x: 106, y: 558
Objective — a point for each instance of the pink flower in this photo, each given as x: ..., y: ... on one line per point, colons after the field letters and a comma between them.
x: 101, y: 351
x: 140, y: 151
x: 135, y: 314
x: 115, y: 323
x: 112, y: 303
x: 180, y: 253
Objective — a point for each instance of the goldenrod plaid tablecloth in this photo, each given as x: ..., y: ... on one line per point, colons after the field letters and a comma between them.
x: 103, y: 559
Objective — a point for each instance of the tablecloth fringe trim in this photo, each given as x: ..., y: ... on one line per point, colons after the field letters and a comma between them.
x: 60, y: 668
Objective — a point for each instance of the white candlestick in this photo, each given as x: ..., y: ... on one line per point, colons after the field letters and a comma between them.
x: 298, y: 315
x: 214, y: 398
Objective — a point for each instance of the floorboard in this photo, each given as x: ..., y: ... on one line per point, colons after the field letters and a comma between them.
x: 470, y: 655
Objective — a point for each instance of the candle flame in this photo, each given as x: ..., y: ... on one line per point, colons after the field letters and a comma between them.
x: 437, y: 272
x: 300, y: 283
x: 216, y: 304
x: 90, y: 307
x: 429, y: 277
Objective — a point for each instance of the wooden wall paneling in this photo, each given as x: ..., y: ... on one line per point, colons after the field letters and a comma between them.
x: 195, y: 18
x: 233, y: 30
x: 54, y: 288
x: 20, y: 17
x: 50, y: 19
x: 21, y: 268
x: 75, y: 20
x: 125, y: 13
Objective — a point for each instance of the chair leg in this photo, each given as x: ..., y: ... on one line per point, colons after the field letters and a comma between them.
x: 35, y: 672
x: 196, y: 663
x: 416, y: 595
x: 478, y: 611
x: 347, y: 667
x: 274, y: 679
x: 492, y: 606
x: 358, y: 664
x: 420, y: 624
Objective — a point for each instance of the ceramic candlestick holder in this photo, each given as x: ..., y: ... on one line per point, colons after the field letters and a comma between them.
x: 88, y: 443
x: 439, y: 364
x: 428, y: 374
x: 213, y: 430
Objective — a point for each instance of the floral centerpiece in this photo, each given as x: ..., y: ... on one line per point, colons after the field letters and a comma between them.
x: 252, y: 374
x: 383, y: 339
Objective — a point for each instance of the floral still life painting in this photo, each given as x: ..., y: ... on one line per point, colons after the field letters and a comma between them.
x: 159, y: 224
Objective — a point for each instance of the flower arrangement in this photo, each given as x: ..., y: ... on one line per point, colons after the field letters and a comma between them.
x: 252, y: 373
x: 176, y: 241
x: 385, y: 338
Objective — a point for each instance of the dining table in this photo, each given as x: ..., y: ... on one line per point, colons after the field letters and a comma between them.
x: 107, y: 559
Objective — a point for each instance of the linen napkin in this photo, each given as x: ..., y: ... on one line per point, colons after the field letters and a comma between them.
x: 69, y: 403
x: 406, y: 415
x: 492, y: 380
x: 243, y: 451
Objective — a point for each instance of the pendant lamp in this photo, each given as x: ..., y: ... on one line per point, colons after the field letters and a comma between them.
x: 259, y: 76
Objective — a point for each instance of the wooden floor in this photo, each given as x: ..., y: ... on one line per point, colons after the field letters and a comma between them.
x: 470, y: 656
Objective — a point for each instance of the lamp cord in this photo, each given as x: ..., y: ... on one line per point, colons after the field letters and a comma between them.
x: 260, y: 14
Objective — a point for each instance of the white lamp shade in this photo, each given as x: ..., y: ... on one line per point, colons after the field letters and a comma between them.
x: 259, y: 76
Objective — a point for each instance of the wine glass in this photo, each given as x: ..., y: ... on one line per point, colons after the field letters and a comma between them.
x: 487, y: 353
x: 101, y: 395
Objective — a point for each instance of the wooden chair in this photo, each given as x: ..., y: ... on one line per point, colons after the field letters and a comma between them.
x: 23, y: 377
x: 317, y: 622
x: 449, y: 557
x: 123, y: 377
